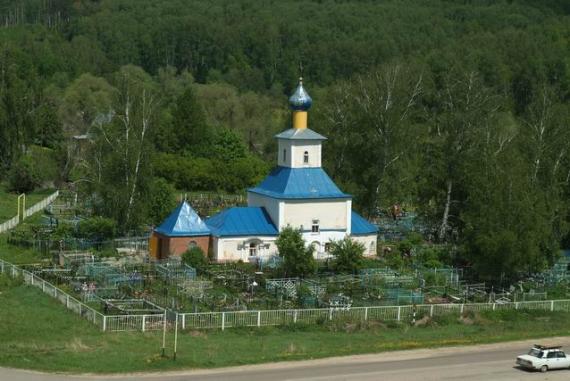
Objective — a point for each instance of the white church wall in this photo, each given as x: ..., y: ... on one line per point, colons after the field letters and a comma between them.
x: 331, y: 214
x: 231, y: 249
x: 370, y: 243
x: 271, y: 205
x: 319, y: 241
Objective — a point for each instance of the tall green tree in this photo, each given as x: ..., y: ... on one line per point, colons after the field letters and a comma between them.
x: 298, y: 260
x: 120, y: 165
x: 369, y: 121
x: 348, y: 255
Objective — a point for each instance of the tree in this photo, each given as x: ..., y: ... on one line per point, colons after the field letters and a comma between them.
x: 348, y: 255
x: 195, y: 257
x: 24, y: 177
x: 189, y: 121
x: 120, y: 158
x: 370, y: 122
x: 161, y: 200
x: 462, y: 108
x: 98, y: 229
x: 298, y: 260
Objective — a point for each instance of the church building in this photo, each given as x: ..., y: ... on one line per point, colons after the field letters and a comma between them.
x: 297, y: 193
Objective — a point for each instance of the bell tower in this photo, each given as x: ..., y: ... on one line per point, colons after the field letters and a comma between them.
x: 299, y: 147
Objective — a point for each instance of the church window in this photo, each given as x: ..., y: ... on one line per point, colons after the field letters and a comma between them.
x: 306, y: 157
x: 192, y: 244
x: 315, y: 227
x: 252, y: 249
x: 327, y: 247
x: 284, y: 155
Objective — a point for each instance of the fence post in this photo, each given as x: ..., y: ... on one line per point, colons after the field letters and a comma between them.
x: 430, y: 311
x: 516, y: 305
x: 399, y: 312
x: 223, y: 321
x: 143, y: 323
x: 330, y: 313
x: 67, y: 301
x: 551, y: 305
x: 461, y: 309
x: 259, y: 318
x: 295, y: 316
x: 494, y: 306
x: 183, y: 321
x: 44, y: 286
x: 104, y: 322
x: 365, y: 313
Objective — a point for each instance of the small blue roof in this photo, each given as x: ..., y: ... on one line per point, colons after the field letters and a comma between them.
x: 298, y: 183
x: 360, y: 226
x: 242, y: 221
x: 183, y: 222
x: 300, y: 134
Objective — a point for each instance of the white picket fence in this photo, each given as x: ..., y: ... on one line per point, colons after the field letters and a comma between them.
x: 41, y: 205
x: 14, y: 221
x: 105, y: 322
x: 10, y: 224
x: 223, y: 320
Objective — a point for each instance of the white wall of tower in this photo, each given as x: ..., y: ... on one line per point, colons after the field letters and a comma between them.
x: 291, y: 153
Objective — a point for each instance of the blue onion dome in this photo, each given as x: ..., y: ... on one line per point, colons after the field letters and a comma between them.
x: 300, y: 100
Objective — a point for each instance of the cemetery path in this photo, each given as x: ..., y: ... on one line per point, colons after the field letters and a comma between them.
x: 482, y: 362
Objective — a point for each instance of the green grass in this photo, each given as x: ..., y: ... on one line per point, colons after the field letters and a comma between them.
x: 9, y: 201
x: 38, y: 333
x: 17, y: 255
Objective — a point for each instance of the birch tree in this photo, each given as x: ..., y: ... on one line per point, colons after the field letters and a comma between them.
x: 370, y: 125
x: 462, y: 107
x: 124, y: 149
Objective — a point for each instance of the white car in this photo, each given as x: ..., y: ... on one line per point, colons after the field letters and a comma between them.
x: 544, y: 358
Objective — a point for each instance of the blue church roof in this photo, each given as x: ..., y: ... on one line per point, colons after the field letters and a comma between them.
x: 183, y: 222
x: 298, y: 183
x: 360, y: 226
x: 242, y: 221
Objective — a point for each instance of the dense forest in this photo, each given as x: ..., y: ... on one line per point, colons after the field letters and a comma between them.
x: 457, y: 109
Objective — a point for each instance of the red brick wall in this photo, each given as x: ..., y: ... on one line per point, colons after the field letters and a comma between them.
x: 176, y: 246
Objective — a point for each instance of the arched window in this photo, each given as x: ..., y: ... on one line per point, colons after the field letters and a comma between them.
x: 372, y: 247
x: 284, y: 155
x: 252, y: 249
x: 192, y: 244
x: 317, y: 246
x: 306, y: 157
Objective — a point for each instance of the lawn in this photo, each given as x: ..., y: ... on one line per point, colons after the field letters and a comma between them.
x: 38, y: 333
x: 9, y: 201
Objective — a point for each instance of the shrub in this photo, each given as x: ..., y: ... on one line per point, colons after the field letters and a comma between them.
x: 297, y: 259
x: 195, y: 257
x: 98, y: 229
x: 348, y: 255
x: 23, y: 177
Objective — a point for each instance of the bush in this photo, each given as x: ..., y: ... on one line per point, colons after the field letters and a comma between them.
x: 348, y: 255
x: 195, y: 257
x: 98, y: 229
x: 297, y: 259
x: 23, y: 177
